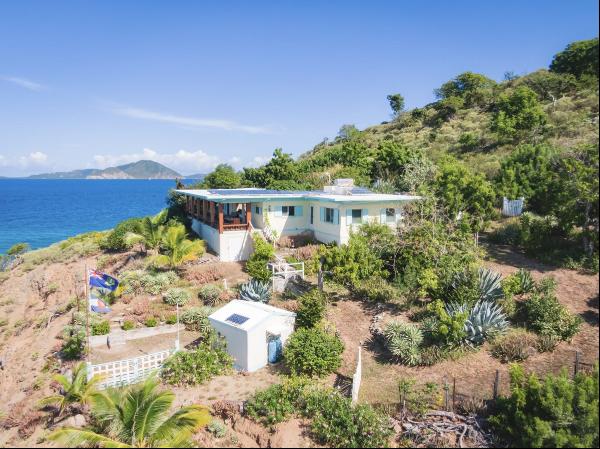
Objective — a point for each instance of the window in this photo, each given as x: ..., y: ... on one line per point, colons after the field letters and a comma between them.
x: 288, y: 210
x: 257, y: 210
x: 356, y: 216
x: 312, y: 215
x: 329, y: 215
x: 390, y: 215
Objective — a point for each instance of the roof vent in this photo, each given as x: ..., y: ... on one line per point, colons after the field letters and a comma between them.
x: 341, y: 186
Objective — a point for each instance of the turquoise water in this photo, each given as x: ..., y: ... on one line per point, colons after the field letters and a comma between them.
x: 44, y: 211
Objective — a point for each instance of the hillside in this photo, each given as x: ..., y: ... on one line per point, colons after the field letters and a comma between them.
x: 143, y: 169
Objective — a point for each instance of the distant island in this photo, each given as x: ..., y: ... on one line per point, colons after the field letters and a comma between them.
x: 143, y: 169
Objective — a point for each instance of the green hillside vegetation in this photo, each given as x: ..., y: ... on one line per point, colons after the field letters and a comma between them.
x: 534, y: 136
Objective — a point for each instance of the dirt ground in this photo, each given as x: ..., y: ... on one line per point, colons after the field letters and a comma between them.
x: 474, y: 372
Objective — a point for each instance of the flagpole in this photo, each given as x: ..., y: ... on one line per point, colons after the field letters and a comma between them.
x: 87, y: 311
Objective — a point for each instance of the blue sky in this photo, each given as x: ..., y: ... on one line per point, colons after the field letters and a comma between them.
x: 192, y: 84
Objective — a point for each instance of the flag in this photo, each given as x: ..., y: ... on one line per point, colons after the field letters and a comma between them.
x: 102, y: 280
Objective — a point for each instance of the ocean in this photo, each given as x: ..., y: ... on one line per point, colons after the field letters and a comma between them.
x: 44, y: 211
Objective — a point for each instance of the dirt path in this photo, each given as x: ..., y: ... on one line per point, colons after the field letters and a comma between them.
x: 474, y: 372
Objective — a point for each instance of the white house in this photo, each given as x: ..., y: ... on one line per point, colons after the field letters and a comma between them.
x: 249, y: 327
x: 225, y: 218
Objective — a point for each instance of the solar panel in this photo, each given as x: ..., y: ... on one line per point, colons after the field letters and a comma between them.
x: 237, y: 319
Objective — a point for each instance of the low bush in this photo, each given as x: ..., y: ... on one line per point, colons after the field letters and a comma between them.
x: 311, y: 309
x: 197, y: 366
x: 171, y: 319
x: 153, y: 283
x: 556, y: 411
x: 209, y: 294
x: 313, y: 352
x: 403, y: 340
x: 128, y: 325
x: 203, y: 274
x: 376, y: 289
x: 151, y: 322
x: 515, y: 346
x: 547, y: 343
x: 419, y: 399
x: 100, y: 328
x: 196, y: 319
x: 74, y: 343
x: 177, y: 296
x: 217, y: 428
x: 545, y: 315
x: 115, y: 240
x: 277, y: 403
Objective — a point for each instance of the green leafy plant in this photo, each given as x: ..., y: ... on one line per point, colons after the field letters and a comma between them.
x: 313, y: 352
x: 256, y: 290
x: 311, y: 309
x: 547, y: 316
x: 403, y: 340
x: 100, y: 328
x: 207, y: 360
x: 209, y: 294
x: 419, y: 399
x: 171, y: 319
x: 128, y: 325
x: 136, y: 417
x: 177, y: 296
x: 151, y: 322
x: 516, y: 346
x: 196, y: 319
x: 485, y: 320
x: 555, y: 411
x: 263, y: 253
x: 447, y: 329
x: 177, y: 248
x: 376, y: 289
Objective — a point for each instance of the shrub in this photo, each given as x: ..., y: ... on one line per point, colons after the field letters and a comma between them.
x: 263, y: 253
x: 256, y: 290
x: 376, y: 289
x: 403, y: 340
x: 313, y: 352
x: 139, y: 281
x: 217, y: 428
x: 171, y: 319
x: 128, y: 325
x: 311, y: 309
x: 196, y: 319
x: 115, y: 240
x: 209, y: 294
x: 151, y: 322
x: 515, y: 346
x: 278, y: 402
x: 17, y: 249
x: 197, y: 366
x: 507, y: 234
x: 432, y: 355
x: 484, y: 320
x: 445, y: 328
x: 100, y: 328
x: 203, y: 274
x: 547, y: 343
x: 73, y: 347
x: 177, y: 296
x: 518, y: 283
x: 552, y: 412
x: 419, y: 399
x: 545, y: 315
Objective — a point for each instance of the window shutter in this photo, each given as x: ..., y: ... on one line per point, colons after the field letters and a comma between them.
x: 383, y: 216
x: 348, y: 217
x: 299, y: 211
x: 336, y: 216
x: 365, y: 215
x: 322, y: 214
x: 278, y: 211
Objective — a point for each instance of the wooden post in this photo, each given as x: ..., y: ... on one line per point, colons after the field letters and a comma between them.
x: 248, y: 214
x: 577, y: 362
x: 212, y: 213
x: 454, y: 394
x: 87, y: 313
x: 204, y: 211
x: 497, y: 384
x: 446, y: 395
x: 220, y: 218
x: 320, y: 275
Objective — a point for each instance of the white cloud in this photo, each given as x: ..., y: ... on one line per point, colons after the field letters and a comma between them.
x: 194, y: 122
x: 182, y: 161
x: 23, y: 82
x: 36, y: 158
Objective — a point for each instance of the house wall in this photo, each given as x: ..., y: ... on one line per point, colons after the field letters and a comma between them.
x: 373, y: 215
x: 235, y: 246
x: 258, y: 354
x: 207, y: 233
x: 237, y: 343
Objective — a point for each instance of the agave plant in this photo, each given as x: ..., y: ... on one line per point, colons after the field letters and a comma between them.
x: 256, y: 290
x: 403, y: 340
x: 485, y: 320
x: 526, y: 282
x: 490, y: 285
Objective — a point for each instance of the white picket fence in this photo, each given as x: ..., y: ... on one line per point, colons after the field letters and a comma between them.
x: 357, y: 378
x: 512, y: 208
x: 129, y: 371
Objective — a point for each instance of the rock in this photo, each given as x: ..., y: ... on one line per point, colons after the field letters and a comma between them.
x: 76, y: 421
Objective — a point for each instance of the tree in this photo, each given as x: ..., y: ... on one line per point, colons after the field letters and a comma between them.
x: 313, y: 352
x: 136, y: 417
x: 348, y: 132
x: 464, y: 192
x: 75, y: 389
x: 18, y: 249
x: 178, y: 248
x: 222, y: 177
x: 149, y: 231
x: 528, y: 172
x: 280, y: 173
x: 579, y: 58
x: 518, y: 113
x: 474, y: 89
x: 396, y: 103
x: 262, y: 255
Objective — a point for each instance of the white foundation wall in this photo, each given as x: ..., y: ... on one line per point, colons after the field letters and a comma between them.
x: 235, y: 246
x: 207, y: 233
x: 237, y: 343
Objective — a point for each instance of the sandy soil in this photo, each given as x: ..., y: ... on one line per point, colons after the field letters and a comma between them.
x: 475, y: 372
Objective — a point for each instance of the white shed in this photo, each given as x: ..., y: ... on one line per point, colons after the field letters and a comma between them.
x: 248, y: 327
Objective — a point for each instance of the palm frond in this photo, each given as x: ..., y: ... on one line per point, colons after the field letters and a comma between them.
x: 83, y: 438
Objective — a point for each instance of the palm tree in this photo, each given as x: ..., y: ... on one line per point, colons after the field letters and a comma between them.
x: 76, y: 389
x: 149, y: 232
x: 178, y: 248
x: 136, y: 417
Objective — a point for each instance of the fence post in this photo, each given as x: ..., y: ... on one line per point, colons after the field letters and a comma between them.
x: 496, y: 384
x: 577, y: 362
x: 454, y: 394
x: 446, y: 391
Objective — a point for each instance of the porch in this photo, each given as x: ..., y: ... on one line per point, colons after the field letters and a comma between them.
x: 221, y: 216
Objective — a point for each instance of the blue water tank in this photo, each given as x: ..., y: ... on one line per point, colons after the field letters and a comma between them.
x: 275, y: 350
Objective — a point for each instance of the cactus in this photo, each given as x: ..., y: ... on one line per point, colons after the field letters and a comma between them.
x: 403, y: 341
x: 486, y: 320
x: 256, y: 290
